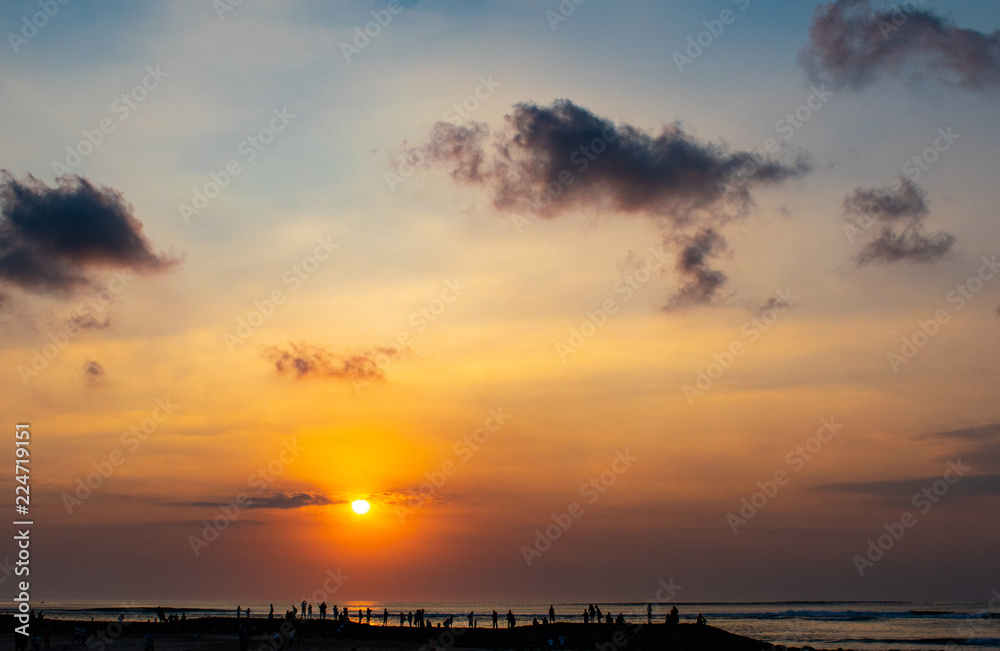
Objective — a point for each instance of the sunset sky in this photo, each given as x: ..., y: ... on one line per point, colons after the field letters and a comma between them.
x: 713, y: 285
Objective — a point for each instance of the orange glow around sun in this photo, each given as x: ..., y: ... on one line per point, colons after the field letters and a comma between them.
x: 360, y: 506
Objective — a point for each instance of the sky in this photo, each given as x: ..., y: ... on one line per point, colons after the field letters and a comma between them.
x: 580, y: 296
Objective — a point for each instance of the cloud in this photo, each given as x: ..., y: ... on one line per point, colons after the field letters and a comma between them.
x: 889, y: 222
x: 905, y: 489
x: 988, y: 431
x: 407, y: 496
x: 52, y: 240
x: 554, y: 159
x: 88, y: 321
x: 304, y: 360
x: 851, y: 45
x: 700, y: 281
x: 980, y: 444
x: 284, y: 501
x: 93, y: 372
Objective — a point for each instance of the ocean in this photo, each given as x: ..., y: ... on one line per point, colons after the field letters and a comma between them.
x: 858, y: 625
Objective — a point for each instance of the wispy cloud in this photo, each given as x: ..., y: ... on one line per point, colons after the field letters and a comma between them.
x: 94, y: 372
x: 282, y: 501
x: 305, y: 360
x: 894, y: 230
x: 700, y: 281
x: 851, y: 45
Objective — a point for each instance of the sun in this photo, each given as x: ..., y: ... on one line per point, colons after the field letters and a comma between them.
x: 360, y: 506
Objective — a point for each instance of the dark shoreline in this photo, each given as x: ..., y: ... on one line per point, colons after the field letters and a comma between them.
x: 315, y: 633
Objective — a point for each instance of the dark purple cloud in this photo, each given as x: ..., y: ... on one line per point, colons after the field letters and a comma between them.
x: 699, y: 281
x: 889, y: 223
x: 305, y: 360
x: 283, y: 501
x: 94, y: 372
x: 52, y: 240
x: 554, y: 159
x: 903, y: 490
x: 550, y: 161
x: 851, y: 45
x: 88, y: 321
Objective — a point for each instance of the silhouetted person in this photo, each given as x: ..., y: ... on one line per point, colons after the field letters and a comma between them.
x: 552, y: 614
x: 270, y: 615
x: 385, y: 617
x: 674, y: 617
x: 701, y: 621
x: 511, y: 621
x: 649, y: 613
x: 599, y: 616
x: 409, y: 618
x: 322, y: 610
x: 593, y: 611
x: 586, y: 616
x: 618, y: 620
x: 495, y: 616
x: 238, y: 611
x: 472, y: 619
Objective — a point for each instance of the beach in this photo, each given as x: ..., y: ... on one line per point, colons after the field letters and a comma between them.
x: 218, y: 633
